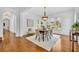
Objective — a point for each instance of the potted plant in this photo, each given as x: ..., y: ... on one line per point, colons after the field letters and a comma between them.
x: 75, y: 26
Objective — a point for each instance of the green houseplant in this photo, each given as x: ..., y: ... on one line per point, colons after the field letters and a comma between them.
x: 75, y: 26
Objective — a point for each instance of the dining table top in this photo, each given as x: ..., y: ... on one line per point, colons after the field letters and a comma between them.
x: 45, y: 30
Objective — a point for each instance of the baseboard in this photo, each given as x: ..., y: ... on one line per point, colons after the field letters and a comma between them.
x: 18, y: 35
x: 60, y: 34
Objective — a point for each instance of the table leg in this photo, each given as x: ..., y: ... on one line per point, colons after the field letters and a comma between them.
x: 72, y: 43
x: 70, y: 36
x: 76, y: 38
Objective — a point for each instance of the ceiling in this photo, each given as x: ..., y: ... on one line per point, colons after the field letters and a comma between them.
x: 14, y: 9
x: 39, y: 11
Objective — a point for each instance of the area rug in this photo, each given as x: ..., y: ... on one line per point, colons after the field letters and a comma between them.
x: 47, y: 45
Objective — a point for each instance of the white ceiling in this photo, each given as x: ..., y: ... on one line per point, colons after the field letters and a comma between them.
x: 14, y: 9
x: 39, y: 11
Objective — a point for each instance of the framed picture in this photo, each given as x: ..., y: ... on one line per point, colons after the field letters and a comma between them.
x: 30, y: 22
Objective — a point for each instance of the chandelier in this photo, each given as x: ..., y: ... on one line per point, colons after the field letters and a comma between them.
x: 45, y: 17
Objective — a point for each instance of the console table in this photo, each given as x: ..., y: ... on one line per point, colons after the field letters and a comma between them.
x: 72, y: 34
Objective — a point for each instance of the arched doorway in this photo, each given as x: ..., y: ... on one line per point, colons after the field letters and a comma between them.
x: 6, y: 29
x: 6, y: 25
x: 9, y: 28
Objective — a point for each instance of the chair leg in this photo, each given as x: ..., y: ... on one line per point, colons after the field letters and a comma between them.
x: 43, y: 37
x: 39, y: 39
x: 36, y: 37
x: 47, y: 38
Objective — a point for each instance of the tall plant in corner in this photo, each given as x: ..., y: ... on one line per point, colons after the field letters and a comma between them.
x: 75, y: 26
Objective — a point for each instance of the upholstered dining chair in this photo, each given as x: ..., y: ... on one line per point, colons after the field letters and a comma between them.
x: 47, y: 35
x: 37, y: 35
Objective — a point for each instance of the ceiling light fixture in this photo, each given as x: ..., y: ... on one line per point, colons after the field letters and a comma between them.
x: 45, y: 17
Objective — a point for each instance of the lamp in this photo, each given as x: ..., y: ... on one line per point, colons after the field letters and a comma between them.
x: 44, y: 17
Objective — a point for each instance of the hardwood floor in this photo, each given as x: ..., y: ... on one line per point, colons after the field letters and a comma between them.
x: 11, y: 43
x: 18, y: 44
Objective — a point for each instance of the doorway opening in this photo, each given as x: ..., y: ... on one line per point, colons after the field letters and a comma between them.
x: 6, y: 30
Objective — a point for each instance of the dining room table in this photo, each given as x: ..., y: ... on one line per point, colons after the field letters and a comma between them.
x: 45, y: 33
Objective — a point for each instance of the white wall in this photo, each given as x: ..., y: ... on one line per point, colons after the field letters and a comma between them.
x: 13, y: 24
x: 23, y: 23
x: 1, y: 28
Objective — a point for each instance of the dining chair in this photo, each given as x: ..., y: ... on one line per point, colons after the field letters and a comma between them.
x: 37, y: 35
